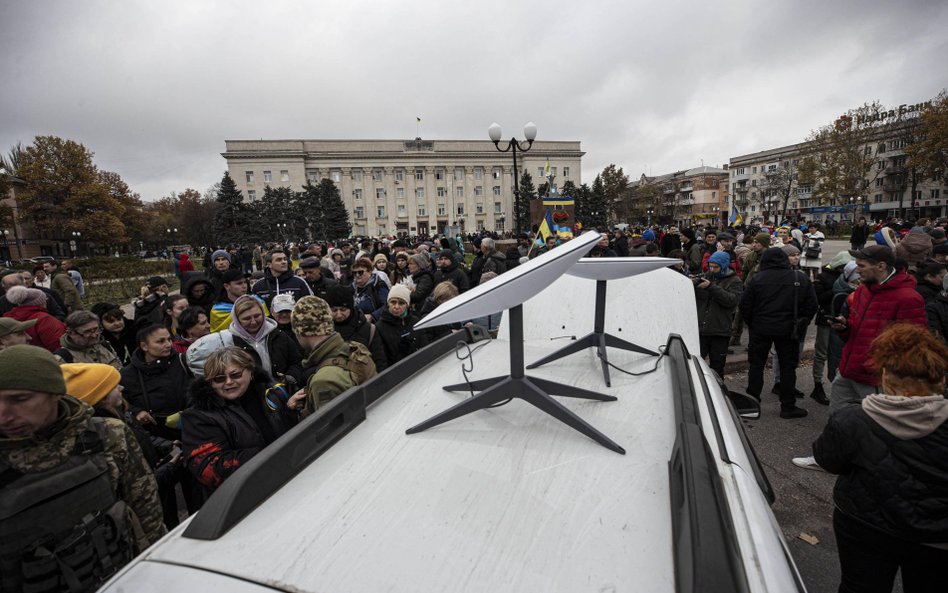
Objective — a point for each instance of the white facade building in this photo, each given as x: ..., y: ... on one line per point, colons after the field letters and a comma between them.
x: 414, y: 187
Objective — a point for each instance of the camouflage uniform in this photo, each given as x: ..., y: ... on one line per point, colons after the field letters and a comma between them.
x: 130, y: 476
x: 329, y: 381
x: 312, y: 317
x: 101, y: 353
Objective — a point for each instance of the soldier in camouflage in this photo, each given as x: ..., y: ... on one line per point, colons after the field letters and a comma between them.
x: 313, y: 326
x: 46, y: 437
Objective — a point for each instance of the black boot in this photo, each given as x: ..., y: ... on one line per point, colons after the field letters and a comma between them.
x: 792, y: 412
x: 819, y: 396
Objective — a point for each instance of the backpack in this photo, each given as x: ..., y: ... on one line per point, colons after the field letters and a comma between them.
x: 64, y: 529
x: 359, y: 363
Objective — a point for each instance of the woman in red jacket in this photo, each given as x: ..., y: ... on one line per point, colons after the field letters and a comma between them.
x: 30, y: 303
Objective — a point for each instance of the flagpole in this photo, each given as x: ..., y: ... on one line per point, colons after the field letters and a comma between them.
x: 534, y: 242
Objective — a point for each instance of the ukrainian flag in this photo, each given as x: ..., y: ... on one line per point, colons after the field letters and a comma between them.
x: 547, y: 229
x: 736, y: 217
x: 559, y: 201
x: 546, y: 169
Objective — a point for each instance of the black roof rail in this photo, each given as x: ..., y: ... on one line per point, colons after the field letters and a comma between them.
x: 705, y: 544
x: 279, y: 462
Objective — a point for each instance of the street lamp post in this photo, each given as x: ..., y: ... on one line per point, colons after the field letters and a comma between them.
x: 6, y: 246
x: 73, y: 244
x: 281, y: 227
x: 530, y: 134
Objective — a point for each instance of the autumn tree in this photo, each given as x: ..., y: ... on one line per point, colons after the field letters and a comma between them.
x: 521, y: 213
x: 66, y: 193
x: 835, y: 159
x: 928, y: 150
x: 779, y: 184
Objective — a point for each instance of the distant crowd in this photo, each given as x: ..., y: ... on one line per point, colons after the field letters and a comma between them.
x: 187, y: 387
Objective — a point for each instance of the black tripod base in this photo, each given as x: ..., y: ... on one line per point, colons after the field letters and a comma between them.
x: 533, y: 391
x: 594, y: 340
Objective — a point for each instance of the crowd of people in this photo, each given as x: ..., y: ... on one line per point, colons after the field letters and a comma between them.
x: 190, y: 386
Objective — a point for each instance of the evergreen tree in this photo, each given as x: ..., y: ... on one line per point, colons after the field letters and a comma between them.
x: 308, y: 207
x: 276, y: 210
x: 522, y: 203
x: 597, y: 204
x: 335, y: 217
x: 231, y: 219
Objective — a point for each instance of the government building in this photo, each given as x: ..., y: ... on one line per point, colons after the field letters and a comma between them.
x: 405, y: 187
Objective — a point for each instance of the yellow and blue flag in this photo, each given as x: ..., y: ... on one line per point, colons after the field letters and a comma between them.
x: 546, y: 169
x: 547, y: 228
x: 736, y: 217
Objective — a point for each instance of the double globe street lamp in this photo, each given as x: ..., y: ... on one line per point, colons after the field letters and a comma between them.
x: 530, y: 134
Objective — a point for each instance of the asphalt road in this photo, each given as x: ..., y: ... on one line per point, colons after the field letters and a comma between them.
x: 804, y: 502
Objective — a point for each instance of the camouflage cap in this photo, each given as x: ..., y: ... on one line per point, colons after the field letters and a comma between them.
x: 312, y: 317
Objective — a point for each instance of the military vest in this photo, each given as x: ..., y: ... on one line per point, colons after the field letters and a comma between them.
x: 63, y: 529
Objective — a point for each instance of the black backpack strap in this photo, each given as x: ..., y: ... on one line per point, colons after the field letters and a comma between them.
x: 65, y: 354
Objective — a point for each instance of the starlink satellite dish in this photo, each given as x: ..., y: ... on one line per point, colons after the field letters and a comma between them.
x: 513, y: 287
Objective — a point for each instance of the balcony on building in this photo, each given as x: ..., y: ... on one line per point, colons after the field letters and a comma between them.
x: 894, y: 170
x: 895, y: 184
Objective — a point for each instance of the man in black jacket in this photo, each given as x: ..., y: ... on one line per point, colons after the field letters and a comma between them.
x: 448, y: 270
x: 279, y: 278
x: 319, y: 280
x: 777, y: 305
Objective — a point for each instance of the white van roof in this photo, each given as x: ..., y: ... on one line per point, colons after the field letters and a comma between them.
x: 505, y: 499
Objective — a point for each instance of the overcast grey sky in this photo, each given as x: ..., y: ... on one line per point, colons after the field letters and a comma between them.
x: 154, y: 88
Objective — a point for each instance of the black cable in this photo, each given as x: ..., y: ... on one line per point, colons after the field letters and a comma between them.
x: 468, y: 355
x: 661, y: 350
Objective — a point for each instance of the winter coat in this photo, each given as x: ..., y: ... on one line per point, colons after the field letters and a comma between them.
x: 46, y: 332
x: 99, y: 353
x: 928, y: 291
x: 371, y: 298
x: 124, y: 343
x: 859, y: 235
x: 767, y: 302
x: 184, y: 264
x: 159, y: 387
x: 695, y: 257
x: 716, y: 304
x: 61, y: 283
x: 477, y: 268
x: 205, y: 301
x: 495, y: 262
x: 148, y: 310
x: 356, y: 328
x: 129, y: 475
x: 219, y: 435
x: 399, y: 339
x: 915, y: 248
x: 322, y: 287
x: 824, y: 292
x: 891, y: 455
x: 287, y: 282
x: 937, y: 313
x: 325, y: 381
x: 622, y: 246
x: 424, y: 285
x: 669, y: 243
x: 872, y: 308
x: 54, y: 303
x: 272, y: 348
x: 453, y: 273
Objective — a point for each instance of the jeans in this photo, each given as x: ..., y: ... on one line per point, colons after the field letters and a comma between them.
x: 846, y: 392
x: 820, y: 351
x: 714, y: 348
x: 869, y: 559
x: 788, y: 351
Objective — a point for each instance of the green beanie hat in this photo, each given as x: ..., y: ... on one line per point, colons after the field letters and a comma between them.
x: 31, y: 368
